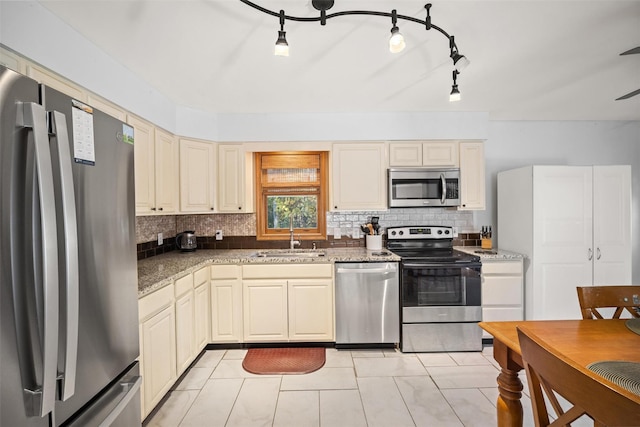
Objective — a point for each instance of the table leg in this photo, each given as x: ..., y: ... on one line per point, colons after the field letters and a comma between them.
x: 509, y: 405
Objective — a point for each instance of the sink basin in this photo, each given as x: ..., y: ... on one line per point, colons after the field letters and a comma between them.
x: 290, y: 254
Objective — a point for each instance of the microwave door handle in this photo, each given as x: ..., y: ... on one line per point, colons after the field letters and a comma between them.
x: 443, y: 182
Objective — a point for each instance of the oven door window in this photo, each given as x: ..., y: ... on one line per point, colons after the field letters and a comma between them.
x: 440, y: 286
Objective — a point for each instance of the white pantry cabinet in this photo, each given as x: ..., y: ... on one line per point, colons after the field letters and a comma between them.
x: 442, y: 154
x: 288, y: 302
x: 502, y: 291
x: 197, y: 176
x: 573, y: 223
x: 226, y: 303
x: 157, y: 346
x: 472, y: 180
x: 359, y: 176
x: 156, y: 168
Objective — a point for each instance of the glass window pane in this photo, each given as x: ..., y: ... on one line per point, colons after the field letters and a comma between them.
x: 303, y: 209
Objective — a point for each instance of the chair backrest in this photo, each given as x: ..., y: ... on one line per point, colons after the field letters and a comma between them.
x: 619, y: 297
x: 606, y: 403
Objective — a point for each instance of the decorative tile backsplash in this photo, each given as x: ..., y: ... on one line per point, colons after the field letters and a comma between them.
x: 239, y: 230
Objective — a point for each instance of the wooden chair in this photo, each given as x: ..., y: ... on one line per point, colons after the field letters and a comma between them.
x: 604, y: 402
x: 619, y: 297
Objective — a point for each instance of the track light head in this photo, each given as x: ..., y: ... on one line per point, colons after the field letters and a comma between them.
x: 282, y: 47
x: 455, y: 93
x: 396, y: 41
x: 460, y: 62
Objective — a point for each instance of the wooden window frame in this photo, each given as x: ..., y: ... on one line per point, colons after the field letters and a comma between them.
x: 319, y: 233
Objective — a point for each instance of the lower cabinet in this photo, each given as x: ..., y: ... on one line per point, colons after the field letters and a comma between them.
x: 157, y: 346
x: 290, y: 302
x: 226, y: 303
x: 185, y: 336
x: 502, y: 291
x: 201, y: 309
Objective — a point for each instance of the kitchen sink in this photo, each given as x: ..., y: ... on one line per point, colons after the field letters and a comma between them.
x: 300, y: 253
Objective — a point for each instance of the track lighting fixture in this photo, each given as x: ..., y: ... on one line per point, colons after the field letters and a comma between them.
x: 282, y: 47
x: 396, y: 41
x: 455, y: 93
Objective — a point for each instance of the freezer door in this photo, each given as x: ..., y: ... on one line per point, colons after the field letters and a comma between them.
x: 103, y: 183
x: 28, y: 279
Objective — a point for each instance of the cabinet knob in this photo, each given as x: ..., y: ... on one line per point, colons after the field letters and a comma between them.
x: 212, y: 208
x: 240, y: 207
x: 335, y: 207
x: 153, y: 209
x: 159, y: 209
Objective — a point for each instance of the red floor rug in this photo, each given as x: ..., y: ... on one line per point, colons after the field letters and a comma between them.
x: 282, y: 361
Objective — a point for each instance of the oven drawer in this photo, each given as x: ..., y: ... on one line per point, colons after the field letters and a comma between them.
x: 427, y: 337
x: 460, y: 313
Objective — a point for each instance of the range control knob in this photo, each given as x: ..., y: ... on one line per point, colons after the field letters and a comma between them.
x: 446, y: 231
x: 439, y: 231
x: 393, y: 233
x: 401, y: 232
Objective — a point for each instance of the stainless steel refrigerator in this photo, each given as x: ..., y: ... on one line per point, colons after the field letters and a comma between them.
x: 68, y: 289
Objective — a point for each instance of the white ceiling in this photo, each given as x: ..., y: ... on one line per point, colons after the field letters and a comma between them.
x: 530, y: 60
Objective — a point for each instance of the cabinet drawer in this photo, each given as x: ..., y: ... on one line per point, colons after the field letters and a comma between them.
x: 286, y: 271
x: 502, y: 267
x: 225, y: 272
x: 201, y: 277
x: 184, y: 285
x: 155, y: 302
x: 501, y: 290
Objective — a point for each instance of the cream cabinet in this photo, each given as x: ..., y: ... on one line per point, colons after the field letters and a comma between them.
x: 185, y: 337
x: 359, y: 176
x: 156, y: 168
x: 226, y: 303
x: 157, y: 346
x: 197, y: 176
x: 234, y: 179
x: 472, y: 179
x: 502, y: 291
x: 430, y: 153
x: 202, y: 309
x: 106, y: 107
x: 12, y: 60
x: 288, y: 302
x: 51, y: 79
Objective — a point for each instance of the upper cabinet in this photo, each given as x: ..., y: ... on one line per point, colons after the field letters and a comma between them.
x: 197, y: 176
x: 430, y: 154
x: 234, y: 186
x: 472, y: 181
x: 12, y: 60
x: 106, y: 107
x: 156, y: 169
x: 46, y: 77
x: 359, y: 176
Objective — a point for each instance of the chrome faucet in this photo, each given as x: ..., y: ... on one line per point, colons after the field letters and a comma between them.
x: 292, y: 243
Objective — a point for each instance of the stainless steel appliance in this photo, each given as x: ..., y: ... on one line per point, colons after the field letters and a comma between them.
x: 367, y: 304
x: 423, y: 187
x: 68, y: 278
x: 440, y: 290
x: 186, y: 241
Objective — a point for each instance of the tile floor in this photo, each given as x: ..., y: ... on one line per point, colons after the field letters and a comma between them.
x: 354, y: 388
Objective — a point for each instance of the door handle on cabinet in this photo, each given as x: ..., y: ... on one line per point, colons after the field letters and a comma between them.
x: 598, y: 254
x: 590, y: 257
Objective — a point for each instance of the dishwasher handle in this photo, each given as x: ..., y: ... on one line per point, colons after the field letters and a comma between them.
x: 374, y: 270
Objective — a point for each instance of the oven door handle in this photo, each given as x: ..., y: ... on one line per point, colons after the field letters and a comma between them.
x: 441, y: 265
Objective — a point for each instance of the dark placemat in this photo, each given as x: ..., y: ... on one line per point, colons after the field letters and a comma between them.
x: 624, y: 374
x: 280, y: 361
x: 634, y: 325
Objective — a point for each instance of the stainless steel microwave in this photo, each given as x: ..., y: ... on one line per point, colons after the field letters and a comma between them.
x: 423, y: 187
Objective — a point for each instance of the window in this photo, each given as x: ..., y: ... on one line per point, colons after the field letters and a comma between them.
x: 291, y: 187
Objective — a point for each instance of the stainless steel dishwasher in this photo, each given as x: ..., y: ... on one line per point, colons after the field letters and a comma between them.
x: 367, y: 304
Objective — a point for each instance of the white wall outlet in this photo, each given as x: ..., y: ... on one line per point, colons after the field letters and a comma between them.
x: 337, y: 233
x: 218, y: 234
x: 160, y: 239
x: 455, y: 231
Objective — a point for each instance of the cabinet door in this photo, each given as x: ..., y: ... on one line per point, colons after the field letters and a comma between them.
x: 359, y: 176
x: 226, y: 310
x: 311, y: 310
x: 12, y: 60
x: 202, y: 309
x: 55, y: 81
x: 265, y: 310
x: 158, y: 356
x: 612, y: 225
x: 562, y: 240
x: 106, y: 107
x: 405, y: 154
x: 184, y: 331
x: 166, y: 168
x: 144, y: 164
x: 231, y: 178
x: 440, y: 154
x: 197, y: 176
x: 472, y: 182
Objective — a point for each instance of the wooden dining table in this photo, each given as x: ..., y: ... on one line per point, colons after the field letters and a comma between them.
x: 583, y: 341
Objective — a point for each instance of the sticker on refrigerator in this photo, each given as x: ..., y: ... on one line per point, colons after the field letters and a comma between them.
x: 83, y: 141
x: 127, y: 133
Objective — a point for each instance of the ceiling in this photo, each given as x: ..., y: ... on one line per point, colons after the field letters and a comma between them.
x: 530, y: 60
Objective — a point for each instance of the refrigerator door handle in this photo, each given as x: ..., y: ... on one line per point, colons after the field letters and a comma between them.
x: 67, y: 372
x: 42, y: 397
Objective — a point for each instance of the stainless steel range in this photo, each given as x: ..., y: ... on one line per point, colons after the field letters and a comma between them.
x: 440, y: 291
